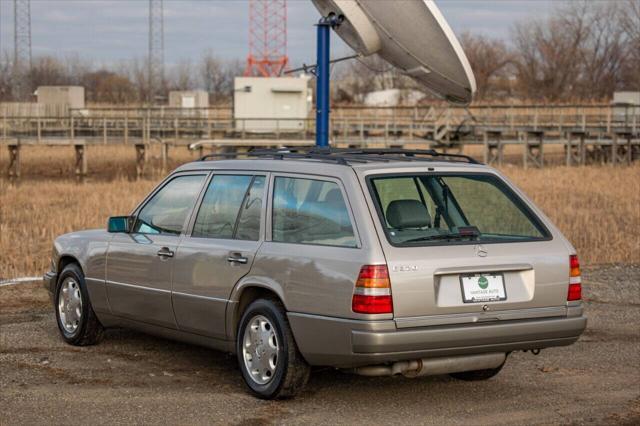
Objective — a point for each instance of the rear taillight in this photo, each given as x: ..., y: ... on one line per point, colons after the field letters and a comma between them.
x: 575, y: 282
x: 372, y: 294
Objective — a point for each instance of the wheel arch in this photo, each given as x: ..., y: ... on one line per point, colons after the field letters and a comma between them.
x: 245, y: 292
x: 67, y: 259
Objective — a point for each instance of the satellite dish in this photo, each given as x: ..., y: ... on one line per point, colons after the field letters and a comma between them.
x: 413, y: 36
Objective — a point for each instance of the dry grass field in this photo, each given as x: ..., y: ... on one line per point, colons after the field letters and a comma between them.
x: 597, y: 207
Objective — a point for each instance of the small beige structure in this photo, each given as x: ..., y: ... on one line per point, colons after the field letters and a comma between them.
x: 278, y: 104
x: 188, y: 99
x: 71, y: 96
x: 55, y: 101
x: 626, y: 107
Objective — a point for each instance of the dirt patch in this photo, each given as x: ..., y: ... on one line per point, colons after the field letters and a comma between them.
x: 134, y: 378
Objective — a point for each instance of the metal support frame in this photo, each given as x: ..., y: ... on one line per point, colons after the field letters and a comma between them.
x: 141, y: 159
x: 575, y: 152
x: 323, y: 64
x: 81, y: 161
x: 533, y: 152
x: 22, y: 59
x: 493, y: 147
x: 14, y: 160
x: 621, y: 152
x: 155, y: 71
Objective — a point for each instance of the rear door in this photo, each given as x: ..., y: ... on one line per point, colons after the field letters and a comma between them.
x: 218, y: 252
x: 139, y: 264
x: 512, y: 269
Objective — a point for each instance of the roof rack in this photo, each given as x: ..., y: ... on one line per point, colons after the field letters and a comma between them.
x: 344, y: 156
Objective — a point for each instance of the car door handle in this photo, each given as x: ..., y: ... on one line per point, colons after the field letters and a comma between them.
x: 237, y: 258
x: 165, y: 252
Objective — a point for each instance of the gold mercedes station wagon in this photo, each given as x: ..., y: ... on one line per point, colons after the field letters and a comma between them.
x: 381, y: 262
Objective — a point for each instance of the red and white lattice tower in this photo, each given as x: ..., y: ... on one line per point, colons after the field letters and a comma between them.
x: 267, y: 38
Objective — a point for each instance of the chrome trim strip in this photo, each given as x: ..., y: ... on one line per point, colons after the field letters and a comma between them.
x: 514, y: 314
x: 138, y: 287
x: 197, y: 296
x: 483, y: 268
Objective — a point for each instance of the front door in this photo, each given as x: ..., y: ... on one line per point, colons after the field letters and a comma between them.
x: 140, y: 264
x: 218, y: 253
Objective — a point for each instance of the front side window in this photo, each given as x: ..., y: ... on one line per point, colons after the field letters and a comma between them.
x: 220, y: 206
x: 310, y: 211
x: 439, y: 209
x: 167, y: 211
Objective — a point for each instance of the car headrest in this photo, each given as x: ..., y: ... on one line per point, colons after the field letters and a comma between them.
x: 334, y: 196
x: 407, y: 214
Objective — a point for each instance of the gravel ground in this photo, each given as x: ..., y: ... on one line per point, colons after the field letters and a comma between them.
x: 134, y: 378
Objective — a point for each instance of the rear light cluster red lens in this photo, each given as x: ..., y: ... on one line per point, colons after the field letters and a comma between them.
x: 372, y: 294
x: 575, y: 281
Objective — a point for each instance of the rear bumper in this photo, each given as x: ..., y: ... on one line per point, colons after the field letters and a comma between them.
x: 350, y: 343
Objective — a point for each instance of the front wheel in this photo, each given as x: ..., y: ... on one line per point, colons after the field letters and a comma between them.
x: 271, y: 365
x: 76, y: 320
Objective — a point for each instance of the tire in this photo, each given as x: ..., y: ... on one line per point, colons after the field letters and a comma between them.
x: 279, y: 378
x: 478, y: 375
x: 77, y: 322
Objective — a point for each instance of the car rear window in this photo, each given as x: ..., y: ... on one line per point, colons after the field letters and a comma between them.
x: 422, y: 209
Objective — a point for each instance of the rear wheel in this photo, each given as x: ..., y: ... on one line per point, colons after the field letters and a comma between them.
x: 76, y: 320
x: 477, y: 375
x: 271, y: 365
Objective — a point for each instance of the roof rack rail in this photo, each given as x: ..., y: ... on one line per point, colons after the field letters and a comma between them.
x: 344, y: 156
x: 411, y: 153
x: 221, y: 155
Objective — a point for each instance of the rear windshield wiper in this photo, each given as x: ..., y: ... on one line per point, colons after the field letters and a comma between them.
x: 466, y: 232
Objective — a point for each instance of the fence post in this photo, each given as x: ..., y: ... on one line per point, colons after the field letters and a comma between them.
x: 104, y: 130
x: 81, y: 161
x: 126, y: 127
x: 5, y: 124
x: 14, y: 160
x: 485, y: 138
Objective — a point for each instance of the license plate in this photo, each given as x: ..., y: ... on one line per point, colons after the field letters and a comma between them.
x: 483, y: 288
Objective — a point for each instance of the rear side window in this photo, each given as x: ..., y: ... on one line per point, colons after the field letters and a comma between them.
x: 308, y: 211
x: 166, y: 212
x: 442, y: 209
x: 248, y: 227
x: 220, y: 206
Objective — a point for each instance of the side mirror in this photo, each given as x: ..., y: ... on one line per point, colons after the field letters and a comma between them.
x: 119, y: 224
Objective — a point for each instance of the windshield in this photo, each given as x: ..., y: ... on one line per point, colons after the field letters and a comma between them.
x: 437, y: 209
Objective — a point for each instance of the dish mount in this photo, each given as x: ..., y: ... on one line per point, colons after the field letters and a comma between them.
x: 411, y: 35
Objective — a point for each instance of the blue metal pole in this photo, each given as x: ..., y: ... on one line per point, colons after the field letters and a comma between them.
x: 322, y: 82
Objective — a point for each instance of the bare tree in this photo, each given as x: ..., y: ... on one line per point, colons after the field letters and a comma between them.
x: 136, y: 71
x: 585, y: 51
x: 548, y: 54
x: 629, y: 18
x: 603, y: 54
x: 489, y: 60
x: 108, y: 87
x: 217, y: 76
x: 5, y: 77
x: 181, y: 76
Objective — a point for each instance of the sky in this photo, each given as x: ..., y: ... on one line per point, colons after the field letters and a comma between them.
x: 110, y: 31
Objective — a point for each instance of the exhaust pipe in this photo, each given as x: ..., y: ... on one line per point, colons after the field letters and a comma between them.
x: 435, y: 366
